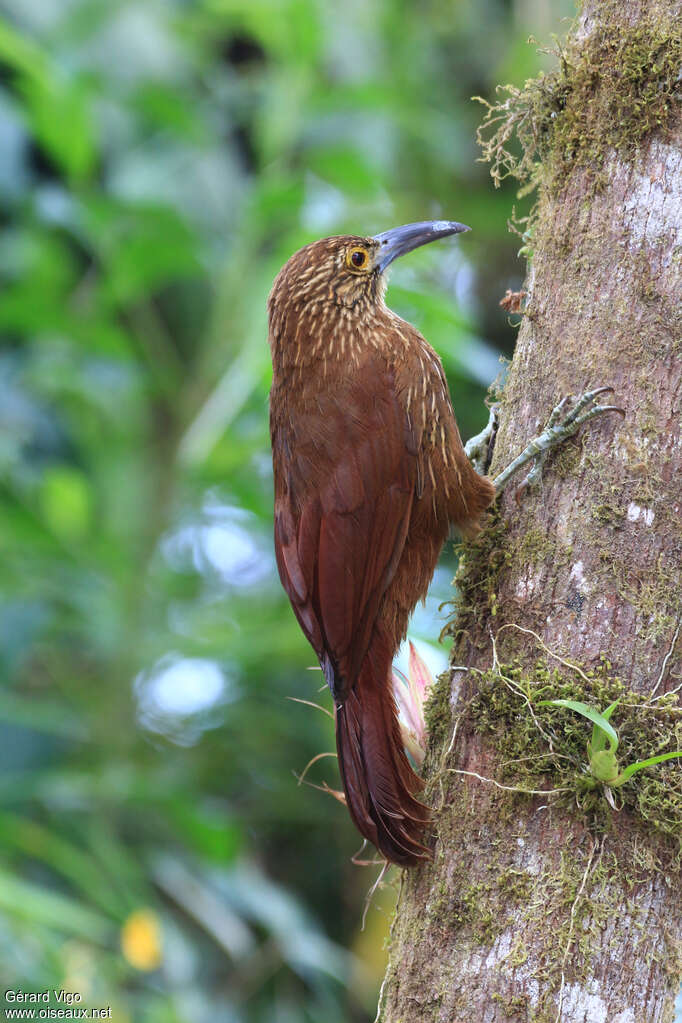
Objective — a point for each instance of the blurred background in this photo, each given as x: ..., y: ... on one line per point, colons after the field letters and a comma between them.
x: 160, y: 160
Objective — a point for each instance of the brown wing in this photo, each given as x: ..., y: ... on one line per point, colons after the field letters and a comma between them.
x: 343, y: 499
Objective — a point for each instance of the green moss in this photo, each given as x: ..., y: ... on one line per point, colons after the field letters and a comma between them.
x: 480, y: 893
x: 611, y: 91
x: 480, y: 565
x: 513, y: 1004
x: 437, y: 712
x: 567, y: 459
x: 502, y: 706
x: 537, y: 546
x: 649, y: 596
x: 609, y: 514
x: 482, y: 901
x: 486, y: 909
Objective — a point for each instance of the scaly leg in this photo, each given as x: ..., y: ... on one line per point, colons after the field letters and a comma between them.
x: 479, y: 449
x: 556, y: 431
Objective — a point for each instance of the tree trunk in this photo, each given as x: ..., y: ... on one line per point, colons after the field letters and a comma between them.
x: 563, y: 907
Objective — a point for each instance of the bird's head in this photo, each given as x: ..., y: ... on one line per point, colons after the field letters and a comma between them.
x: 349, y: 271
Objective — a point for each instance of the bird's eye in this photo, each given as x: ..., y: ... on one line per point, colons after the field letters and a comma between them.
x: 357, y: 259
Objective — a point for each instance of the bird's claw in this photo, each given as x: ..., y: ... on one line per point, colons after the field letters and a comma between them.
x: 576, y: 416
x: 479, y: 449
x: 558, y: 429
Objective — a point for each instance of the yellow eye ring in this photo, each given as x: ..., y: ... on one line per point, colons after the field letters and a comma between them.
x: 357, y: 259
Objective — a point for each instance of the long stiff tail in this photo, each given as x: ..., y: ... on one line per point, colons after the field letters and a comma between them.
x: 377, y: 778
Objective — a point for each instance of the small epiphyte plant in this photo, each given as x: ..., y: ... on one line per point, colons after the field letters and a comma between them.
x: 410, y: 695
x: 601, y: 749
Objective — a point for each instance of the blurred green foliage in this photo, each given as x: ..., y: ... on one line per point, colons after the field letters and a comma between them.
x: 160, y: 161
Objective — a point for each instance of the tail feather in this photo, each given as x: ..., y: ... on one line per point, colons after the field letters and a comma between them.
x: 377, y: 778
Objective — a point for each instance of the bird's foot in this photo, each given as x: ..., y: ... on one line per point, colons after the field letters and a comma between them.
x: 479, y: 449
x: 559, y: 428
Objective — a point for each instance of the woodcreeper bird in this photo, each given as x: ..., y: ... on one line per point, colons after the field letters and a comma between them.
x: 369, y: 473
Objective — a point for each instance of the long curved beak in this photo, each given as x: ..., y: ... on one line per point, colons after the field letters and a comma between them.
x: 400, y: 240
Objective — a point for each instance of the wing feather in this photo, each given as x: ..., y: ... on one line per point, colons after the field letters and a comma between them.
x: 342, y: 511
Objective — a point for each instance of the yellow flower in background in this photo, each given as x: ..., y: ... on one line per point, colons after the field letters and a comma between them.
x: 141, y: 940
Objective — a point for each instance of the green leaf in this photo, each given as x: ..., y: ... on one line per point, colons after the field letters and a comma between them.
x: 591, y: 714
x: 66, y: 500
x: 604, y: 766
x: 41, y: 714
x: 57, y: 106
x: 345, y: 167
x: 641, y: 764
x: 142, y: 246
x: 32, y: 902
x: 210, y: 831
x: 64, y: 857
x: 609, y: 710
x: 598, y: 740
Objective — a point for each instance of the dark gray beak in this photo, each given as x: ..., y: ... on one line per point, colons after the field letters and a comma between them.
x: 400, y: 240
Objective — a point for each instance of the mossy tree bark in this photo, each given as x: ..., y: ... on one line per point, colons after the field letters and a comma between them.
x: 561, y: 907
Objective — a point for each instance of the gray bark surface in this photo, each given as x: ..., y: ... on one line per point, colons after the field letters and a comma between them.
x: 528, y: 911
